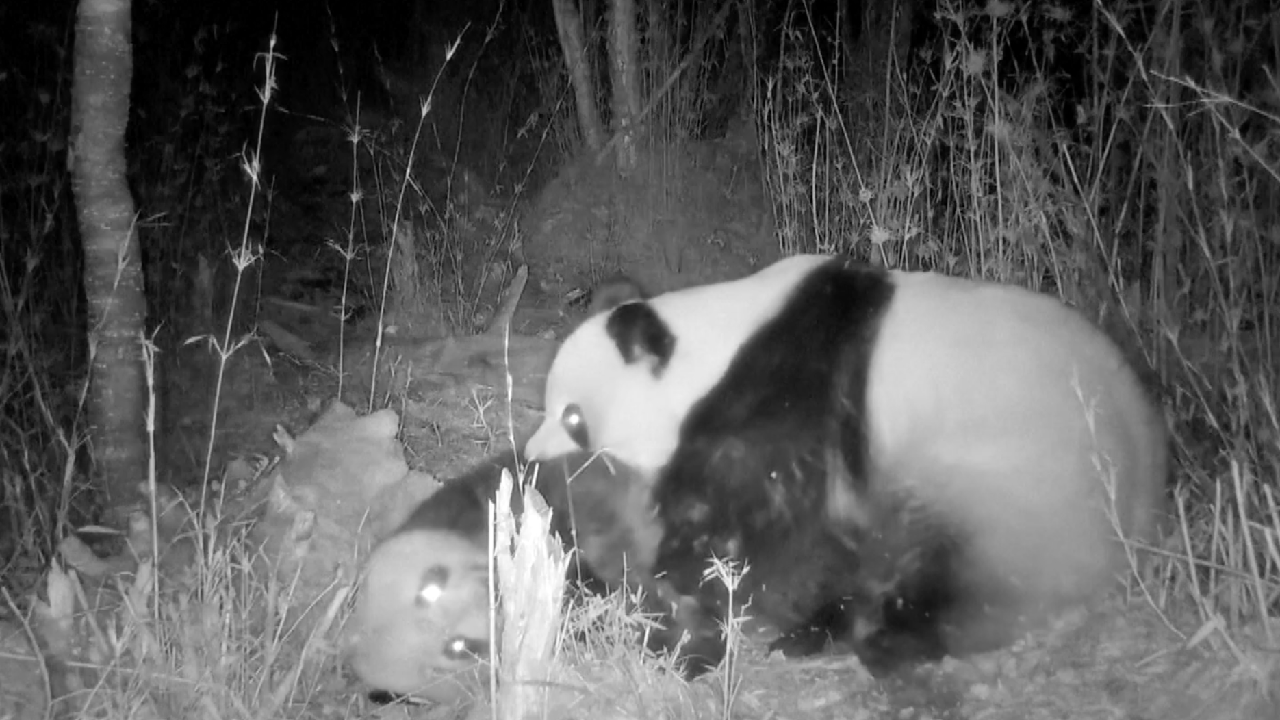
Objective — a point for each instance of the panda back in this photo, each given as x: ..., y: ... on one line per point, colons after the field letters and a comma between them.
x: 460, y: 507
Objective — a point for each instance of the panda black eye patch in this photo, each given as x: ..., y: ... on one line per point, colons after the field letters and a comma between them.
x: 575, y: 424
x: 434, y: 581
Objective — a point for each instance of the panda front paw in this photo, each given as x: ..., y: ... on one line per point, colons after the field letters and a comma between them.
x: 700, y: 657
x: 693, y: 634
x: 889, y: 652
x: 802, y: 642
x: 831, y: 624
x: 695, y: 656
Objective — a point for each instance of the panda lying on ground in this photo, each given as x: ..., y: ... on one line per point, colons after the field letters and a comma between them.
x: 421, y: 622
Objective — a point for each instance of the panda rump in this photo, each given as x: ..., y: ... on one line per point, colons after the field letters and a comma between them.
x: 963, y: 448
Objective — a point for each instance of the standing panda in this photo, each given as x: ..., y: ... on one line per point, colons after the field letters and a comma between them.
x: 909, y: 464
x: 420, y: 627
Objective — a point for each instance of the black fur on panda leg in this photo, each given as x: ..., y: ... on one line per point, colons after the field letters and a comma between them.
x: 885, y: 596
x: 912, y: 622
x: 832, y: 625
x: 906, y: 633
x: 900, y: 626
x: 682, y: 619
x: 922, y: 562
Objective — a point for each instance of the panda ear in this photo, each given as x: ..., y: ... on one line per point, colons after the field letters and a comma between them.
x: 641, y: 336
x: 613, y: 292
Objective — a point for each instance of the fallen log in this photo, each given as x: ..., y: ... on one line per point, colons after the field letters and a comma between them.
x: 489, y: 360
x: 473, y: 361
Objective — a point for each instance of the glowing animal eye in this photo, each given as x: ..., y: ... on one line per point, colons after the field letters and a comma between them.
x: 463, y: 648
x: 576, y: 425
x: 434, y: 581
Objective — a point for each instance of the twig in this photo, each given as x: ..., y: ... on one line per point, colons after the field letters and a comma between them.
x: 510, y: 298
x: 694, y: 53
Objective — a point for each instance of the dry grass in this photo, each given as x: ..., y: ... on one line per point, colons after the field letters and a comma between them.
x: 1157, y: 216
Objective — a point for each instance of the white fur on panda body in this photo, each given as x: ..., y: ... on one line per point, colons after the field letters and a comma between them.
x: 746, y: 406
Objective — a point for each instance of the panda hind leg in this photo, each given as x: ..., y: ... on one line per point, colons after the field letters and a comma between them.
x: 908, y: 627
x: 889, y: 631
x: 889, y: 598
x: 937, y: 603
x: 689, y: 625
x: 828, y: 629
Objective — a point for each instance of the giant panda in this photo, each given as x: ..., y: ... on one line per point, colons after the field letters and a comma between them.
x: 420, y: 626
x: 908, y: 464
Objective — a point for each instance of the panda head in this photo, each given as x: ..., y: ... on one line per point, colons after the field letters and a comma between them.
x: 625, y: 380
x: 421, y: 622
x: 607, y: 387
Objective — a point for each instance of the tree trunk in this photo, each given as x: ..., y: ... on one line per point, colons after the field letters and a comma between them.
x: 112, y: 263
x: 624, y: 72
x: 662, y: 50
x: 569, y: 27
x: 847, y: 26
